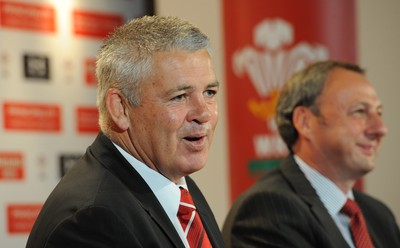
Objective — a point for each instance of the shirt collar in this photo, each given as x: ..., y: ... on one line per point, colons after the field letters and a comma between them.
x: 166, y: 191
x: 331, y: 196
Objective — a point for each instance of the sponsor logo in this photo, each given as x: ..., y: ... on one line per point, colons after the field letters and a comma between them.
x: 31, y: 117
x: 90, y: 72
x: 11, y: 166
x: 27, y: 16
x: 21, y: 217
x: 87, y: 119
x: 36, y: 66
x: 67, y: 161
x: 94, y: 24
x: 4, y: 65
x: 268, y: 69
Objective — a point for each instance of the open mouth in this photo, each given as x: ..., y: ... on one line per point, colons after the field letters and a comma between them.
x: 196, y: 143
x: 192, y: 139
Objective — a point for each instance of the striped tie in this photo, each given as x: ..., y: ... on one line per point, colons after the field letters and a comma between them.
x: 191, y: 223
x: 357, y: 225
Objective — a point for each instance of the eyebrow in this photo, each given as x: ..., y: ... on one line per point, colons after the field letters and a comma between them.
x: 186, y: 87
x: 379, y: 106
x: 214, y: 84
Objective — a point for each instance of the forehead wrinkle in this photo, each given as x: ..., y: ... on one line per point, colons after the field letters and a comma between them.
x: 182, y: 87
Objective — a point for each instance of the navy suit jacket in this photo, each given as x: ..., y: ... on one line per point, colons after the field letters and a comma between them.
x: 283, y: 210
x: 103, y: 202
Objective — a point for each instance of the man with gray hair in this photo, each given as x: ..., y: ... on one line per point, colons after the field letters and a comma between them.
x: 330, y: 118
x: 158, y: 111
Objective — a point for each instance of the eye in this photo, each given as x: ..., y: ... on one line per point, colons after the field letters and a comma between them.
x: 360, y: 111
x: 179, y: 98
x: 210, y: 93
x: 380, y: 111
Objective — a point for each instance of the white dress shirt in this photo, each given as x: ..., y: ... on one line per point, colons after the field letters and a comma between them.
x: 331, y: 196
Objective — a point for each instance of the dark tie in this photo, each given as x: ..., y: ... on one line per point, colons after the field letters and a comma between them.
x: 357, y: 224
x: 191, y: 222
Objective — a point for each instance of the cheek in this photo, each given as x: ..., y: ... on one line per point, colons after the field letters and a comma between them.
x: 214, y: 111
x: 171, y: 119
x: 215, y: 117
x: 355, y: 127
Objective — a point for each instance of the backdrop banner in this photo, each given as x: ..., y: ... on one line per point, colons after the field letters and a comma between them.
x: 48, y: 113
x: 266, y: 41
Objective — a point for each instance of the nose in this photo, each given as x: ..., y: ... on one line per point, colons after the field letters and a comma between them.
x: 199, y: 111
x: 377, y: 127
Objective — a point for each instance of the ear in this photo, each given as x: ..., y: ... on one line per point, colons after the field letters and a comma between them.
x: 117, y: 109
x: 302, y: 121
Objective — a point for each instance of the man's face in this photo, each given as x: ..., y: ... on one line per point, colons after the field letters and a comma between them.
x: 172, y: 129
x: 348, y: 131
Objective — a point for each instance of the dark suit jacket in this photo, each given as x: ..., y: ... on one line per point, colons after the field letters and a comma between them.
x: 283, y: 210
x: 103, y: 202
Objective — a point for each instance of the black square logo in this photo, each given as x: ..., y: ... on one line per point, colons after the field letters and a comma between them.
x: 67, y: 161
x: 36, y: 66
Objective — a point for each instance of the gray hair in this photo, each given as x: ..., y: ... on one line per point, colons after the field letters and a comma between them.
x: 126, y: 58
x: 303, y: 89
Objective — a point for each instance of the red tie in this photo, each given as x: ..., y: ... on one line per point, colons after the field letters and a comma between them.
x: 357, y: 225
x: 191, y: 223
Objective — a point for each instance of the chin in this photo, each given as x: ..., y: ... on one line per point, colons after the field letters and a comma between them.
x: 193, y: 168
x: 367, y: 169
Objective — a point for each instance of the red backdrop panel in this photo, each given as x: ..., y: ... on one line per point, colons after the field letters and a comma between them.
x: 266, y: 41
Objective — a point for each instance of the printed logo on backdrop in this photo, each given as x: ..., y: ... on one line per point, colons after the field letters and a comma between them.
x: 268, y: 64
x: 90, y: 72
x: 36, y: 67
x: 32, y: 17
x: 67, y: 161
x: 42, y: 166
x: 87, y: 119
x: 94, y: 24
x: 4, y: 65
x: 68, y: 70
x: 21, y: 217
x: 11, y: 166
x: 24, y: 116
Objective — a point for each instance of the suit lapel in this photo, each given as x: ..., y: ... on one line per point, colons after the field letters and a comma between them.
x: 157, y: 213
x: 302, y: 186
x: 110, y: 157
